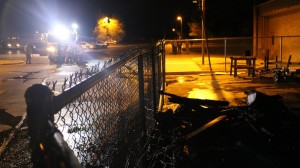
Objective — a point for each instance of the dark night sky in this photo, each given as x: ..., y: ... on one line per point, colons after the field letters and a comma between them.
x: 142, y: 18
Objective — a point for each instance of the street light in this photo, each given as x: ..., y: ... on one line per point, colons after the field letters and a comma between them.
x: 75, y: 26
x: 180, y: 19
x: 107, y: 19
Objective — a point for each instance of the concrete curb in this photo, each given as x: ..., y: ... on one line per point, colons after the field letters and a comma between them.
x: 11, y: 62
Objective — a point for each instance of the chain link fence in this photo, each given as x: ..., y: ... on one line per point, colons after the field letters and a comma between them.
x: 107, y: 114
x: 281, y: 46
x: 104, y: 114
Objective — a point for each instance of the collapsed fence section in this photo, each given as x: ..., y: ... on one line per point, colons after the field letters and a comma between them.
x: 105, y: 115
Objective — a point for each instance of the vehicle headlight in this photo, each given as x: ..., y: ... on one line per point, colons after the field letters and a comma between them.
x: 8, y: 45
x: 51, y: 49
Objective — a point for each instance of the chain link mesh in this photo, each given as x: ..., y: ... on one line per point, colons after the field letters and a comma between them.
x: 102, y: 123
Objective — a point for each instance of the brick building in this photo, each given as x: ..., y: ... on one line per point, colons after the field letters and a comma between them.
x: 276, y: 29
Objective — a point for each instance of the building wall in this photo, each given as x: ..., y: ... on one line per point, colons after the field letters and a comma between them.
x: 288, y: 26
x: 278, y: 30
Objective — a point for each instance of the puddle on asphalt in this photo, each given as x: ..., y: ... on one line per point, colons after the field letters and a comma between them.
x: 180, y: 79
x: 25, y: 78
x: 215, y: 73
x: 22, y: 77
x: 202, y: 94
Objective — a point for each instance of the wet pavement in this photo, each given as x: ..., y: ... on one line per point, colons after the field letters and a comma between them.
x: 15, y: 78
x: 188, y: 77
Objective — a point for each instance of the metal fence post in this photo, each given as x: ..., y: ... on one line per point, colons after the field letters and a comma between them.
x: 154, y: 77
x: 39, y: 101
x: 163, y: 72
x: 225, y: 52
x: 141, y: 94
x: 48, y: 148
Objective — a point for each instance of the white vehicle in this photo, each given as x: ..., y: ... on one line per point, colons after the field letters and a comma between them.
x: 12, y: 43
x: 87, y: 45
x: 110, y: 42
x: 59, y: 39
x: 101, y: 45
x: 90, y: 45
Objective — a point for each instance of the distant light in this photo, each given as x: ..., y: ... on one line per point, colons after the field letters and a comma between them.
x: 51, y: 49
x: 179, y: 18
x: 75, y: 26
x: 107, y: 19
x: 195, y: 1
x: 61, y: 32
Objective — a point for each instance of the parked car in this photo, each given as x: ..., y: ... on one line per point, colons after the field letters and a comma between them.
x: 40, y: 48
x: 110, y: 42
x: 87, y: 45
x: 12, y: 43
x: 101, y: 45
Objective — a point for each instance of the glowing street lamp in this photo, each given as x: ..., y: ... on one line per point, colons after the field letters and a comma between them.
x: 75, y: 26
x: 61, y: 32
x: 179, y: 18
x: 107, y: 19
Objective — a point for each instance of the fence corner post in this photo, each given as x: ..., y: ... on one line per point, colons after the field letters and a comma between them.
x: 141, y: 94
x: 39, y: 102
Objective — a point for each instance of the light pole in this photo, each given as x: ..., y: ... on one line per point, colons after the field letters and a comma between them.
x: 203, y: 28
x: 75, y: 27
x: 180, y: 19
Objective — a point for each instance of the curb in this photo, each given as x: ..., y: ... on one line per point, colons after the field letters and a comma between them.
x: 11, y: 62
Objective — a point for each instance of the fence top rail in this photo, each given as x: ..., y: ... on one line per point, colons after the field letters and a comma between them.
x: 223, y: 38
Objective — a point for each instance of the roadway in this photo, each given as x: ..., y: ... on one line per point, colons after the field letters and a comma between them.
x: 186, y: 77
x: 16, y: 77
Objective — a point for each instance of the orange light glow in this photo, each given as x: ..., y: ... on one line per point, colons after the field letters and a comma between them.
x: 202, y: 94
x: 41, y: 146
x: 181, y: 79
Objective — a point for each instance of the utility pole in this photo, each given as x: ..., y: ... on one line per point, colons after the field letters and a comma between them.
x: 201, y: 6
x: 203, y: 28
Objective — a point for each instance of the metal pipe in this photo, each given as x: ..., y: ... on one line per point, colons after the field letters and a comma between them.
x: 141, y: 94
